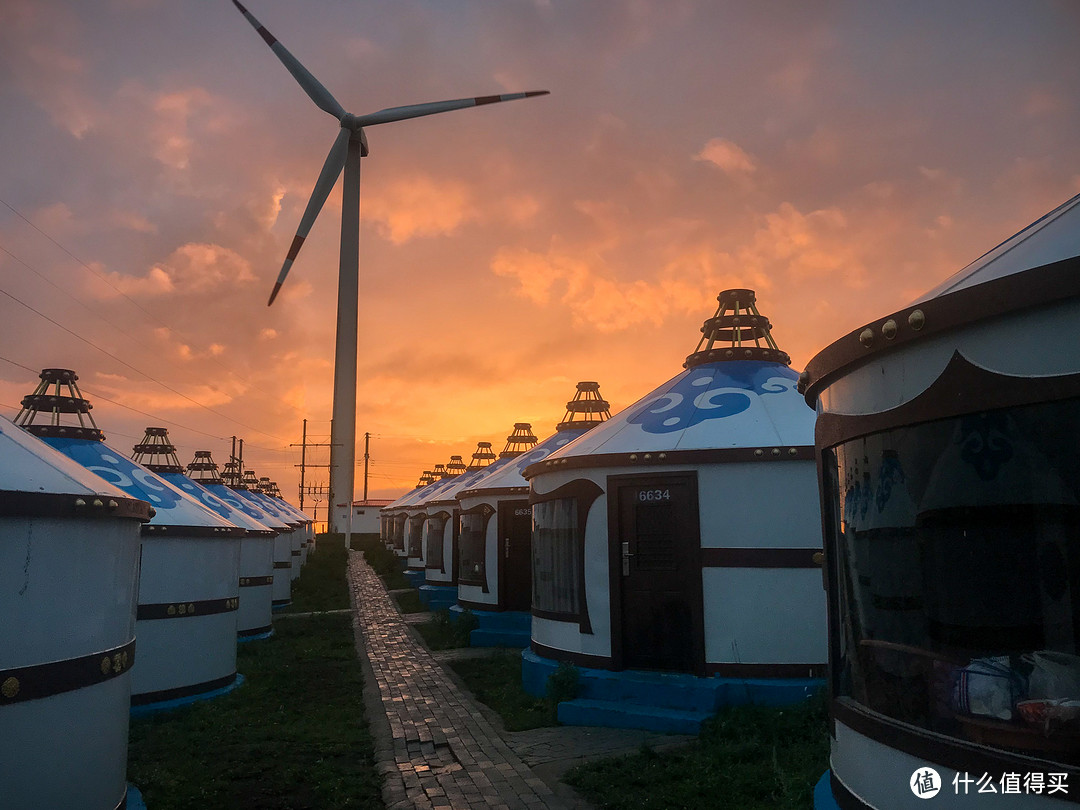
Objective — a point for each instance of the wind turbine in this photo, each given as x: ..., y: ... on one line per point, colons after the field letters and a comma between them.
x: 345, y: 153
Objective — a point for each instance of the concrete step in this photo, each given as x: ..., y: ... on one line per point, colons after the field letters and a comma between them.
x: 620, y: 714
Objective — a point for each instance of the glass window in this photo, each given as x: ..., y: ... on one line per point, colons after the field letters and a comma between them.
x: 398, y: 535
x: 556, y: 548
x: 433, y: 532
x: 958, y: 554
x: 416, y: 535
x: 471, y: 556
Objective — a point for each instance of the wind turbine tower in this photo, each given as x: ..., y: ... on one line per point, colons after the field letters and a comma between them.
x: 349, y: 146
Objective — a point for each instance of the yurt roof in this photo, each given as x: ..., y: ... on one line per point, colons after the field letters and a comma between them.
x: 1036, y: 267
x: 204, y: 472
x: 586, y: 411
x: 36, y: 479
x: 483, y: 461
x: 734, y: 399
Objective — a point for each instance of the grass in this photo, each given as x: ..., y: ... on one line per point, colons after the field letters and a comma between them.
x: 293, y: 737
x: 442, y: 633
x: 750, y: 757
x: 409, y: 602
x: 495, y: 680
x: 322, y: 584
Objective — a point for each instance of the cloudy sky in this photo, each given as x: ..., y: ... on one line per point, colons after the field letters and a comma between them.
x: 155, y: 158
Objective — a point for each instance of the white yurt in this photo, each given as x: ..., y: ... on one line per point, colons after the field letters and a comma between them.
x: 69, y: 572
x: 253, y: 621
x: 395, y: 517
x: 679, y: 542
x: 415, y: 518
x: 158, y: 454
x: 495, y: 576
x: 281, y: 590
x: 441, y: 531
x: 274, y: 506
x: 947, y: 439
x: 190, y: 559
x: 307, y: 525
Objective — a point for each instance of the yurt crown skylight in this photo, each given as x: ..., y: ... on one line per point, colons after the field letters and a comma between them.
x: 739, y: 329
x: 455, y: 467
x: 520, y: 441
x: 203, y: 469
x: 156, y: 452
x: 586, y: 409
x: 57, y: 394
x: 483, y: 456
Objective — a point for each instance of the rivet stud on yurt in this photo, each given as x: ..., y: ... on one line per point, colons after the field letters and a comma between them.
x: 440, y: 532
x: 253, y: 620
x: 947, y: 439
x: 680, y: 537
x: 495, y: 561
x: 186, y: 617
x: 69, y: 566
x: 281, y: 590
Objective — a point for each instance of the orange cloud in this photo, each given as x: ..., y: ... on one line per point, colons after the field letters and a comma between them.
x: 727, y: 156
x: 419, y: 206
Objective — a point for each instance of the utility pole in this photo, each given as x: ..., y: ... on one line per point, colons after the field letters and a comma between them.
x: 317, y: 490
x: 303, y: 458
x: 367, y: 438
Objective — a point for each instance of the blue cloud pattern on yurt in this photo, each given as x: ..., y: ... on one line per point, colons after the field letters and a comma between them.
x: 712, y: 391
x: 118, y: 470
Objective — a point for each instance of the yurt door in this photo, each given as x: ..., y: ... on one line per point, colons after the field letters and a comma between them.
x: 656, y: 557
x: 515, y: 553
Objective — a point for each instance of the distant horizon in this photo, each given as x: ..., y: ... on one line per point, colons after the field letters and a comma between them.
x: 840, y: 159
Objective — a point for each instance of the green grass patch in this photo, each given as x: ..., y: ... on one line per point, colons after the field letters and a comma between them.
x: 443, y: 633
x: 385, y: 562
x: 750, y: 757
x: 322, y: 584
x: 495, y: 680
x: 409, y: 602
x: 293, y: 737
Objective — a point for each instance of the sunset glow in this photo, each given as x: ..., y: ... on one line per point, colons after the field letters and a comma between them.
x: 838, y: 158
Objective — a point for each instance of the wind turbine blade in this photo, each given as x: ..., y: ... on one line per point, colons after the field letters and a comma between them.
x: 327, y: 178
x: 319, y: 94
x: 432, y: 107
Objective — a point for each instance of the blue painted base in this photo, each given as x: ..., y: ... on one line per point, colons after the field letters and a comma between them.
x: 259, y: 637
x: 823, y: 797
x: 135, y: 799
x: 658, y: 701
x: 416, y: 577
x: 495, y: 628
x: 438, y: 597
x: 169, y: 705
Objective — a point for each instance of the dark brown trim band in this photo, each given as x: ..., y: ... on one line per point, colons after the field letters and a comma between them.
x: 280, y: 602
x: 255, y: 582
x: 723, y: 455
x: 45, y: 680
x: 279, y: 564
x: 50, y: 505
x: 1038, y: 286
x: 213, y: 532
x: 960, y: 389
x: 295, y: 552
x: 443, y: 584
x: 845, y: 799
x: 494, y: 493
x: 576, y: 658
x: 929, y: 747
x: 761, y: 557
x: 182, y: 691
x: 556, y: 616
x: 784, y: 671
x: 184, y: 610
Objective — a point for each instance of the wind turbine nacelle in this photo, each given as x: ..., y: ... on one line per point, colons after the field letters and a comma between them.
x: 352, y: 123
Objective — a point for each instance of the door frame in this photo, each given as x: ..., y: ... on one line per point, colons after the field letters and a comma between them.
x: 695, y: 590
x: 507, y: 504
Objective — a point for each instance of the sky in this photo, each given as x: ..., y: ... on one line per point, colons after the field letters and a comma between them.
x: 839, y: 158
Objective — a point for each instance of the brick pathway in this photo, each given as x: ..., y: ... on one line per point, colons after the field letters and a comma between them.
x: 436, y: 747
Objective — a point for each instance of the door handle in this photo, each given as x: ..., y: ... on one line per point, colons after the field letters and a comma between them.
x: 626, y: 555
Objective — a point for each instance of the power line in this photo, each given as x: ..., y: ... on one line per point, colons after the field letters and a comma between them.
x: 150, y: 317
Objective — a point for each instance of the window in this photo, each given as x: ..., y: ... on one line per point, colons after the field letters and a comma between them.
x: 416, y: 535
x: 958, y: 575
x: 398, y: 532
x: 471, y: 559
x: 433, y: 532
x: 556, y: 546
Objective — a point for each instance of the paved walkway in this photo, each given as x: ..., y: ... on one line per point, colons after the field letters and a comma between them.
x: 441, y: 749
x: 441, y: 752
